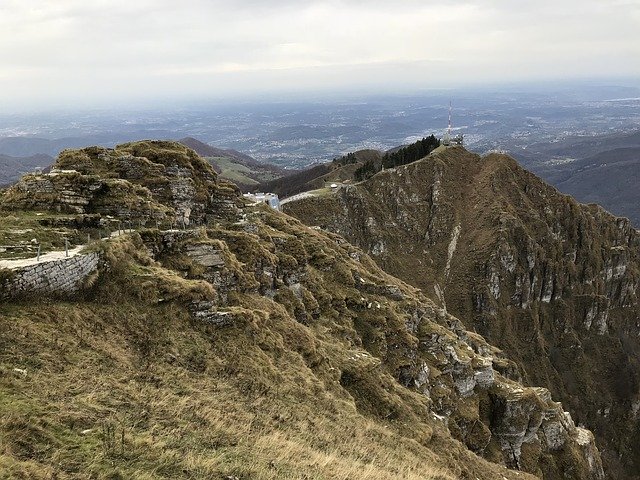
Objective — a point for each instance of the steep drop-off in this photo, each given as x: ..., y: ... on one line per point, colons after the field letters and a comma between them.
x: 552, y: 282
x: 247, y: 345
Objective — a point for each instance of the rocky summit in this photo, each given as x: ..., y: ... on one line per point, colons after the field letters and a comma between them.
x: 152, y: 181
x: 244, y: 344
x: 553, y: 283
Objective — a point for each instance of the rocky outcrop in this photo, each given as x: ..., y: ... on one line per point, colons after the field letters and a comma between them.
x: 142, y: 182
x: 471, y: 388
x: 553, y: 283
x: 69, y: 191
x: 468, y: 382
x: 364, y: 339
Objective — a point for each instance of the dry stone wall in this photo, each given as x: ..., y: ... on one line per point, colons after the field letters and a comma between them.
x: 62, y: 276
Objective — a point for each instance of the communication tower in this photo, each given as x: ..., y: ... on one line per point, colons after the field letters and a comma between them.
x: 449, y: 139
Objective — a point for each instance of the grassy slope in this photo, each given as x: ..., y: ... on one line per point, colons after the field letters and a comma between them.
x: 315, y: 177
x: 118, y: 391
x: 242, y: 174
x: 122, y: 383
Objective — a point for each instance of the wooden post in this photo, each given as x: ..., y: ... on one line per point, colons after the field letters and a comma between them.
x: 38, y: 252
x: 66, y: 247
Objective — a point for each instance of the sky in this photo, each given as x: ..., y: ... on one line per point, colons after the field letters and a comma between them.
x: 91, y: 51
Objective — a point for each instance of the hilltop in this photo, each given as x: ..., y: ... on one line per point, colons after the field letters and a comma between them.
x: 552, y: 282
x: 242, y: 345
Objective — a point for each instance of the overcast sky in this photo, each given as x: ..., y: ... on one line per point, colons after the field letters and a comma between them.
x: 103, y: 50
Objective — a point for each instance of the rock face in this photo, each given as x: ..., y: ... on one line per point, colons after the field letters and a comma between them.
x: 146, y: 182
x: 472, y: 390
x: 376, y: 343
x: 553, y: 283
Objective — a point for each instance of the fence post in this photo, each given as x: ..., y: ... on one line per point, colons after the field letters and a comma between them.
x: 38, y: 253
x: 66, y: 247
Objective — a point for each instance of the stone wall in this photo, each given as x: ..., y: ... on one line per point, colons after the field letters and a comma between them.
x: 62, y: 276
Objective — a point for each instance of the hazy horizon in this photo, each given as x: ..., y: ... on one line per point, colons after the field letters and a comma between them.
x: 74, y: 53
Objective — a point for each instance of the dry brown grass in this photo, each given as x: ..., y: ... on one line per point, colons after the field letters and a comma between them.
x: 122, y: 383
x: 105, y: 397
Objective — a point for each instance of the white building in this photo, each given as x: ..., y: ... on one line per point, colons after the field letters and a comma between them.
x: 270, y: 199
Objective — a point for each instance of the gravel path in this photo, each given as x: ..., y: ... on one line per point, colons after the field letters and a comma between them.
x: 45, y: 257
x: 298, y: 196
x: 50, y: 256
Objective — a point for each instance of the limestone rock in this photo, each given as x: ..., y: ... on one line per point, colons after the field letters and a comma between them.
x: 553, y: 283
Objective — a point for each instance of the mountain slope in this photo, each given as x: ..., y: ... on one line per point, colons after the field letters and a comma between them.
x: 245, y: 345
x: 12, y: 168
x: 603, y: 170
x: 610, y: 179
x: 339, y: 170
x: 206, y: 150
x: 237, y: 167
x: 552, y: 282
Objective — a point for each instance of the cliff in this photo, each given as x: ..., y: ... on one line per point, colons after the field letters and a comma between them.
x: 247, y: 345
x: 550, y: 281
x: 142, y: 182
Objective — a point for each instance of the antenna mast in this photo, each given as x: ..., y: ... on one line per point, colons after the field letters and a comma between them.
x: 448, y: 139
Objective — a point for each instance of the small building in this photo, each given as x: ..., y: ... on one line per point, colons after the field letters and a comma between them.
x: 335, y: 184
x: 452, y: 140
x: 270, y: 199
x: 60, y: 171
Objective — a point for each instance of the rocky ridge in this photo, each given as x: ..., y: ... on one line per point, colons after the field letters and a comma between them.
x: 364, y: 339
x: 140, y: 181
x: 551, y: 282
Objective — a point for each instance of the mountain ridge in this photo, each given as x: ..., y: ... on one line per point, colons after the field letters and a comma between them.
x: 246, y: 344
x: 552, y: 282
x: 603, y: 169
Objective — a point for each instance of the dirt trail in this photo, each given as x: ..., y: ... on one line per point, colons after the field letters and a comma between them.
x: 51, y: 256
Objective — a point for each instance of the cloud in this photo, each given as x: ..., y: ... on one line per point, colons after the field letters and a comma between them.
x: 55, y: 49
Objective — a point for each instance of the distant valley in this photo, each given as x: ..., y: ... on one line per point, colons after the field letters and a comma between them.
x: 583, y: 140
